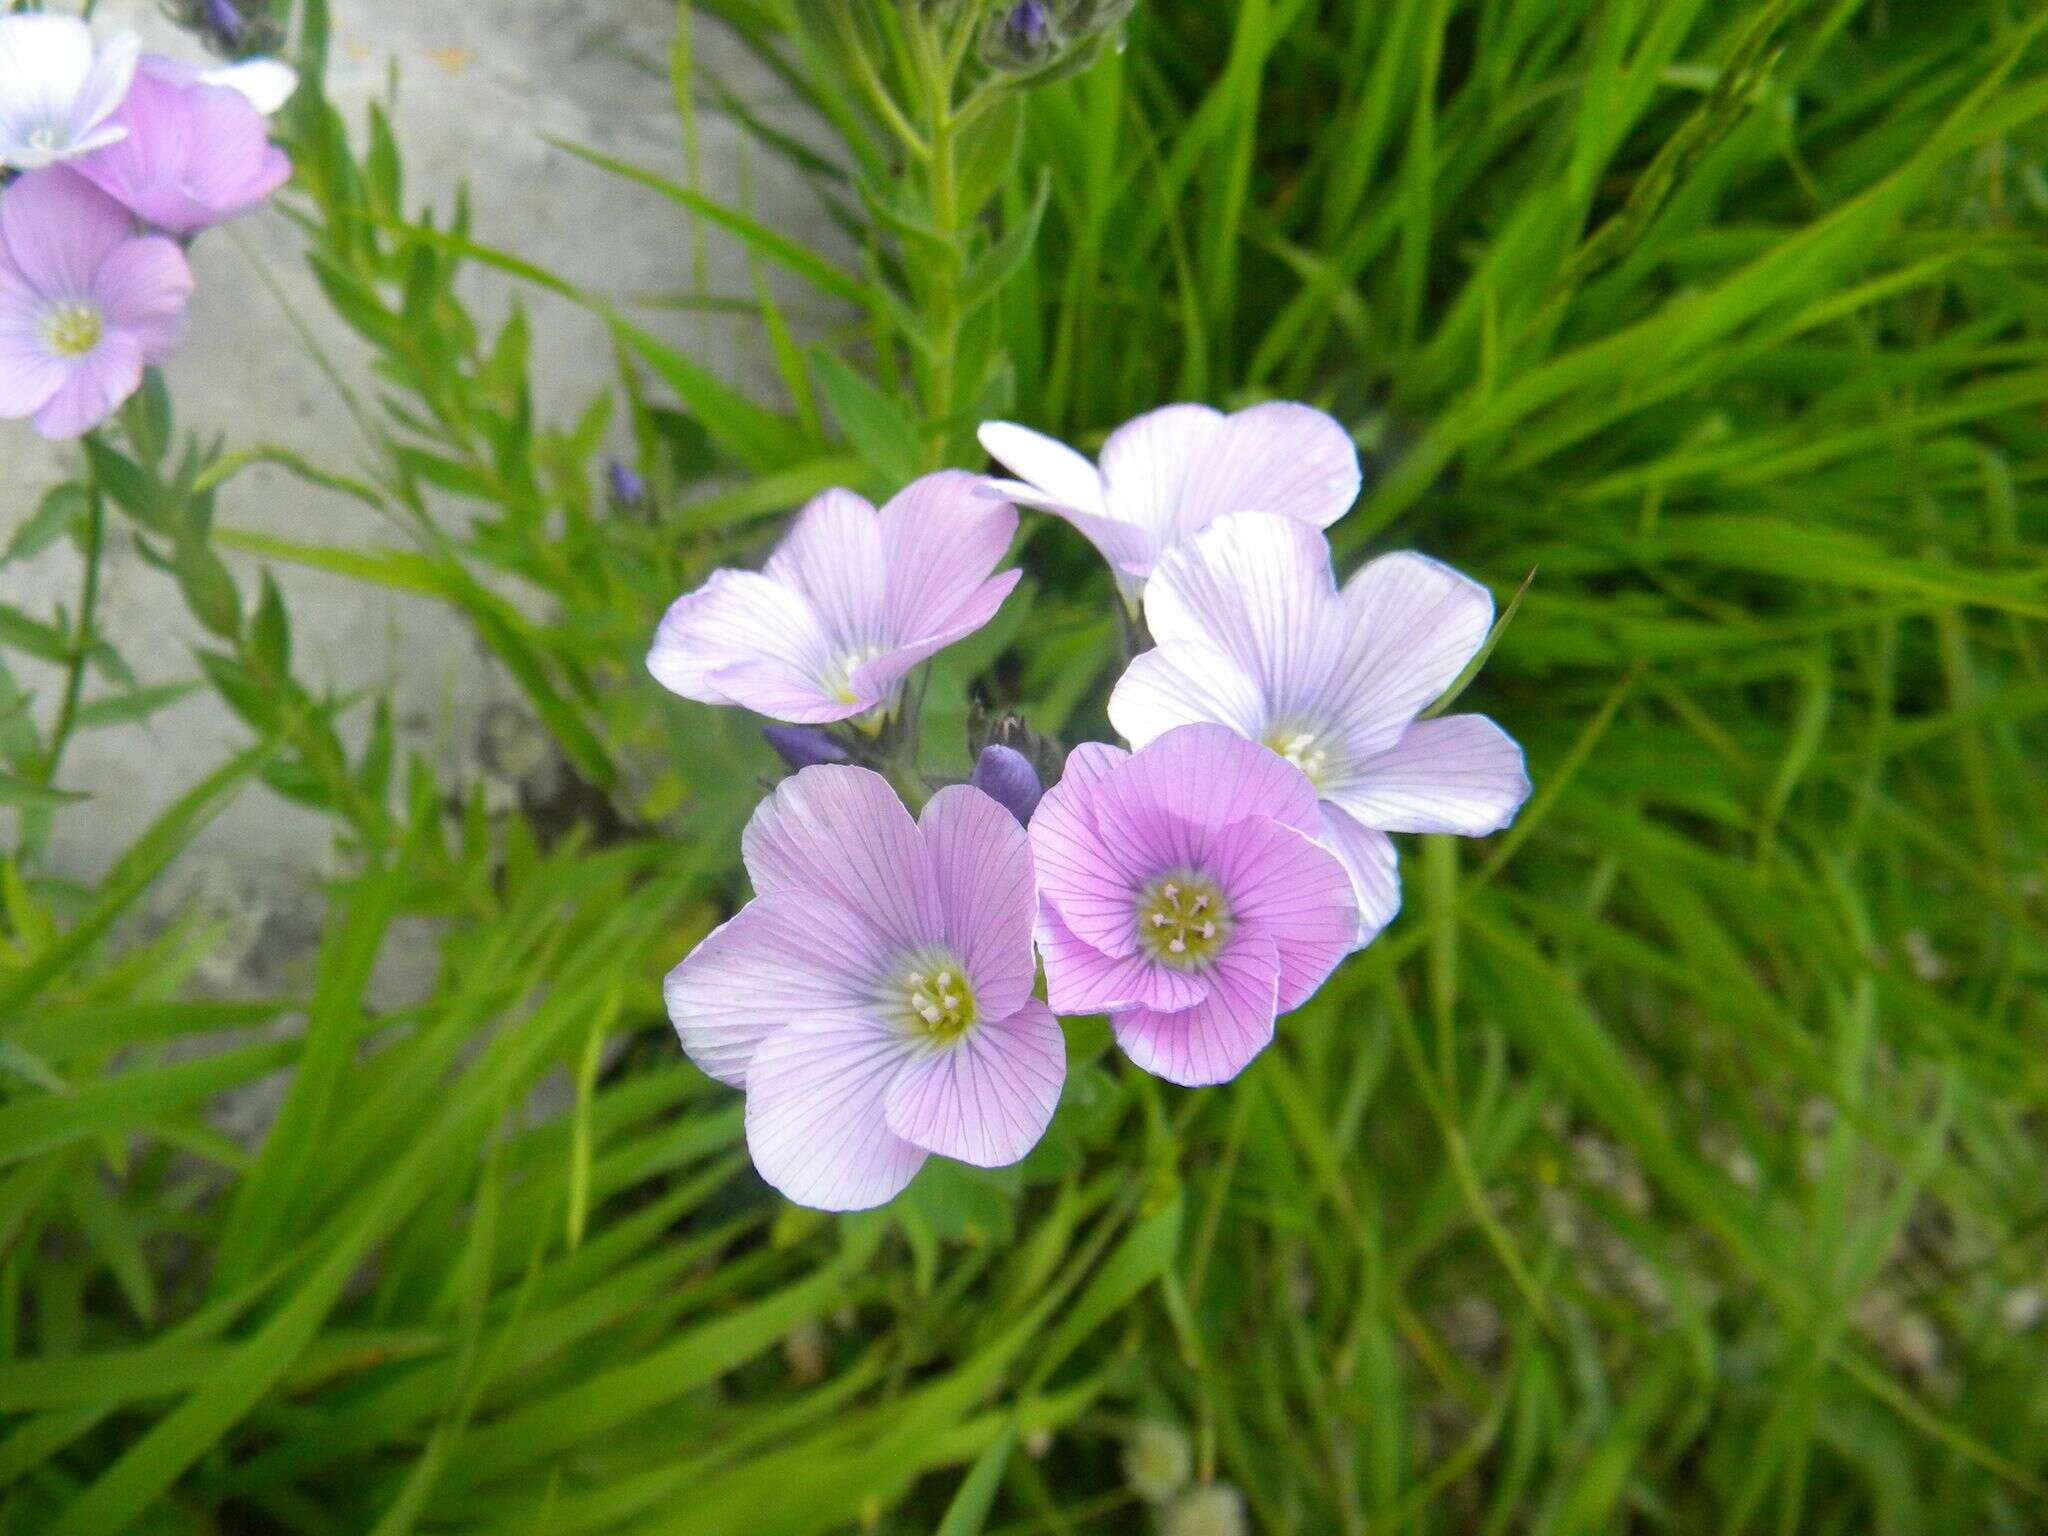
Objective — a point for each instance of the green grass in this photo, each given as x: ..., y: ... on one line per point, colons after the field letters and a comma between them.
x: 1673, y: 1164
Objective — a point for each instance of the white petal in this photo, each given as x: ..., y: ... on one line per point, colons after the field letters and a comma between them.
x: 1288, y: 459
x: 1416, y: 622
x: 1147, y: 464
x: 1460, y: 774
x: 1182, y: 684
x: 1368, y: 858
x: 1059, y: 476
x: 267, y: 83
x: 817, y: 1121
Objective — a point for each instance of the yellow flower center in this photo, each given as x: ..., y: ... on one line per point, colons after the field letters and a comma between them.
x: 1303, y: 749
x: 74, y: 329
x: 1182, y: 920
x: 938, y: 1001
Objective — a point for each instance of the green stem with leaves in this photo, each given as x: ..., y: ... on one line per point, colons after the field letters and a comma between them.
x: 83, y: 639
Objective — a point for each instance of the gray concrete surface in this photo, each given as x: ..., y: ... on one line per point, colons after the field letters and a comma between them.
x: 479, y: 83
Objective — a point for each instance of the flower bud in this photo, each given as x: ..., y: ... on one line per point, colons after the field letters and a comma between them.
x: 1026, y: 37
x: 1006, y: 776
x: 628, y: 486
x: 802, y: 746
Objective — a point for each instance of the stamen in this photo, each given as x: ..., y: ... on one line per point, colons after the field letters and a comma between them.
x: 1181, y: 921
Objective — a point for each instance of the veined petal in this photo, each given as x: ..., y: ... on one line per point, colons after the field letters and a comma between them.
x: 59, y: 230
x: 45, y: 61
x: 1259, y: 589
x: 142, y: 280
x: 981, y: 869
x: 840, y: 836
x: 1417, y: 622
x: 1285, y: 888
x: 941, y: 536
x: 744, y: 639
x: 1059, y: 476
x: 1368, y: 858
x: 783, y: 957
x: 1082, y: 876
x: 1148, y: 465
x: 1205, y: 776
x: 1185, y: 683
x: 988, y: 1097
x: 1288, y: 459
x: 1217, y: 1038
x: 104, y: 87
x: 29, y: 372
x: 817, y: 1118
x: 1079, y: 978
x: 96, y: 384
x: 1460, y: 774
x: 833, y: 556
x: 876, y: 679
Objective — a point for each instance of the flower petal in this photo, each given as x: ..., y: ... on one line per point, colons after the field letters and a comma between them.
x: 744, y: 639
x: 1082, y: 877
x: 817, y: 1118
x: 1079, y: 978
x: 59, y: 230
x: 143, y: 280
x: 1285, y: 888
x: 267, y: 84
x: 981, y: 869
x: 1185, y: 683
x: 1201, y: 776
x: 1060, y: 477
x: 1148, y: 465
x: 30, y: 373
x: 104, y: 87
x: 1288, y: 459
x: 988, y: 1097
x: 875, y: 680
x: 45, y: 60
x: 1460, y: 774
x: 98, y: 382
x: 941, y: 536
x: 1368, y: 857
x: 1419, y: 622
x: 839, y: 836
x: 783, y: 957
x: 1217, y: 1038
x: 832, y: 556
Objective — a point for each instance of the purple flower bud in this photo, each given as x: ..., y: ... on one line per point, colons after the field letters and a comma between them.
x: 1027, y: 22
x: 225, y: 18
x: 1006, y: 776
x: 802, y: 746
x: 628, y: 485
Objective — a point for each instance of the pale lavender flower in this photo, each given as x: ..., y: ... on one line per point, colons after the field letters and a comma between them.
x: 85, y: 303
x: 1182, y: 891
x: 194, y: 154
x: 1007, y: 777
x: 1168, y: 474
x: 874, y: 998
x: 58, y: 94
x: 849, y: 603
x: 1253, y: 633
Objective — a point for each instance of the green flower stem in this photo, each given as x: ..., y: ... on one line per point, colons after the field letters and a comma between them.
x: 84, y: 639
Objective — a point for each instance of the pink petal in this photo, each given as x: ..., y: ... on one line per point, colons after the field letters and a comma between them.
x: 97, y: 384
x: 1079, y: 978
x: 1201, y: 777
x: 875, y: 680
x: 832, y: 555
x: 193, y: 154
x: 783, y: 957
x: 1283, y: 458
x: 1088, y: 882
x: 143, y: 280
x: 1217, y: 1038
x: 1418, y: 623
x: 1460, y: 774
x: 1060, y: 478
x: 59, y: 230
x: 744, y: 639
x: 941, y: 536
x: 839, y: 836
x: 1259, y: 589
x: 817, y: 1118
x: 981, y: 870
x: 988, y: 1097
x: 1286, y: 889
x: 1368, y: 858
x: 29, y: 373
x: 1184, y: 684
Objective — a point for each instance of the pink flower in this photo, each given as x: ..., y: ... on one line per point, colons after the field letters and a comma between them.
x: 85, y: 303
x: 848, y: 604
x: 1182, y: 891
x: 874, y: 998
x: 1253, y: 634
x: 194, y: 154
x: 1168, y: 474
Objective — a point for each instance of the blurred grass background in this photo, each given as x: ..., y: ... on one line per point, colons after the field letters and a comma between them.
x: 1674, y: 1164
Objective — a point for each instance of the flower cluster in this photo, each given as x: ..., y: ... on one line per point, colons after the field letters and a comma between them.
x: 875, y: 1000
x: 117, y: 159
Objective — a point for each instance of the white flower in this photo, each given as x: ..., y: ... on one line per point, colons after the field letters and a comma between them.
x: 56, y: 92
